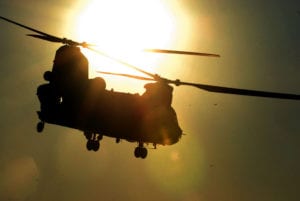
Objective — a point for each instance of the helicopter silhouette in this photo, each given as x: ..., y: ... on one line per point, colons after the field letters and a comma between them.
x: 71, y: 99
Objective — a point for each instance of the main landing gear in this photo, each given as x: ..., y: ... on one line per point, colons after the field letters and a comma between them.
x: 40, y: 126
x: 93, y: 141
x: 140, y: 151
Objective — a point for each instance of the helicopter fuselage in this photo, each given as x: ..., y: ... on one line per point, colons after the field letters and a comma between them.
x: 71, y: 99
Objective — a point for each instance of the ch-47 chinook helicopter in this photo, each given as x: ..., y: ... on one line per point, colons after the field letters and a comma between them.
x: 71, y: 99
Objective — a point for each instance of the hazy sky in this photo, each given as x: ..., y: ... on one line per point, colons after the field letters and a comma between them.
x: 236, y: 148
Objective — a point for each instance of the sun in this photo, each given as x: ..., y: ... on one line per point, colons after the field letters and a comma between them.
x: 122, y: 29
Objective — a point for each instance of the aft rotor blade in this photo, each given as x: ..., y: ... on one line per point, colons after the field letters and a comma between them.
x: 238, y: 91
x: 127, y: 75
x: 181, y: 52
x: 123, y: 62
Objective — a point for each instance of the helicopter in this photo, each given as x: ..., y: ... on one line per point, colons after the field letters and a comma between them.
x: 70, y: 99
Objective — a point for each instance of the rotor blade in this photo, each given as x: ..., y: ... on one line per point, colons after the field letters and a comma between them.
x: 237, y: 91
x: 45, y: 36
x: 127, y: 75
x: 58, y: 40
x: 181, y: 52
x: 26, y: 27
x: 51, y: 38
x: 123, y: 63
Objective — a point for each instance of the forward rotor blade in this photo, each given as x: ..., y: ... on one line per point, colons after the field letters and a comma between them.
x: 51, y: 38
x: 181, y: 52
x: 58, y: 40
x: 45, y: 36
x: 27, y: 27
x: 238, y: 91
x: 127, y: 75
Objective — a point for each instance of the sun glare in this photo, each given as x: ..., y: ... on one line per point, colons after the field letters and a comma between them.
x: 122, y: 29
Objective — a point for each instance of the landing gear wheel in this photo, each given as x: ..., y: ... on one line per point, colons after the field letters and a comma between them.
x: 93, y: 141
x: 143, y: 153
x: 118, y: 140
x: 89, y: 145
x: 40, y: 127
x: 140, y: 152
x: 137, y: 152
x: 96, y: 145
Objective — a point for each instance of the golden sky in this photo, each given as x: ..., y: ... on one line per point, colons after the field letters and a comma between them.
x: 236, y: 148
